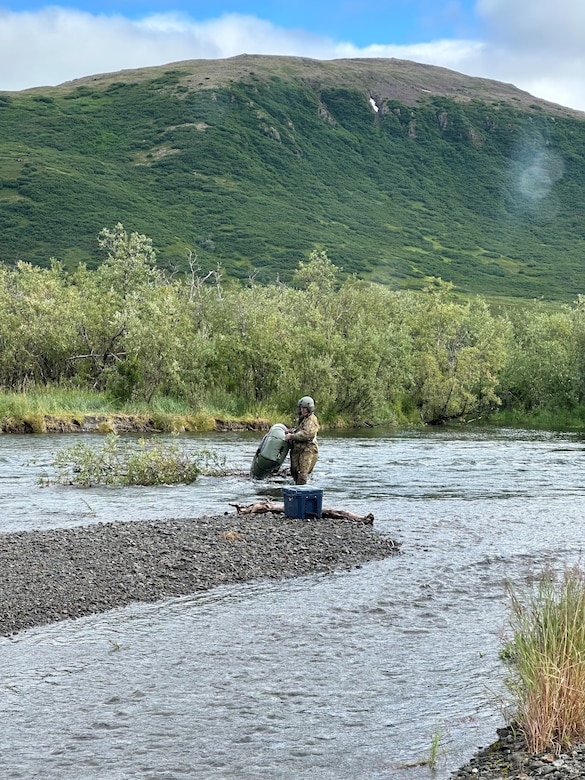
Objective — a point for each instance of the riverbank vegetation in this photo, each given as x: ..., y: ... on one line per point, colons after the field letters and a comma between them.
x: 546, y: 657
x: 130, y: 338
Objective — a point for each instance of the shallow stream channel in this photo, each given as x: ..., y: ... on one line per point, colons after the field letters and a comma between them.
x: 349, y: 676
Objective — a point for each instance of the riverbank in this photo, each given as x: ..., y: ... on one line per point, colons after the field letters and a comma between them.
x: 126, y: 423
x: 47, y: 576
x: 507, y: 759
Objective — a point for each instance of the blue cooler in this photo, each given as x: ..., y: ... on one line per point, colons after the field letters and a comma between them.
x: 302, y: 501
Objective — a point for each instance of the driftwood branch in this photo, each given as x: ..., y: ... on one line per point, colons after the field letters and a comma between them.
x: 262, y: 507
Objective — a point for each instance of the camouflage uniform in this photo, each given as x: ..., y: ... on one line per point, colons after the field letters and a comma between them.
x: 304, y: 450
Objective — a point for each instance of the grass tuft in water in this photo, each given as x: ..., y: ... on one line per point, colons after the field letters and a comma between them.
x: 434, y: 750
x: 147, y: 462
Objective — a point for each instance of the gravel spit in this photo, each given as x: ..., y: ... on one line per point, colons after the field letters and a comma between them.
x: 47, y: 576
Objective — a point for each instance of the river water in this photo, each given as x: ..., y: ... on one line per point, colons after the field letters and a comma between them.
x: 349, y: 676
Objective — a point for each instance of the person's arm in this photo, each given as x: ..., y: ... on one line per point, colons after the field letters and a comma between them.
x: 306, y: 431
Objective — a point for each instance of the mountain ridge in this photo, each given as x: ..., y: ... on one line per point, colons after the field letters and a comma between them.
x: 402, y: 172
x: 433, y: 79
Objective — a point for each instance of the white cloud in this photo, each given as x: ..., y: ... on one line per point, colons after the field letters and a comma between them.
x: 538, y: 45
x: 536, y: 25
x: 56, y: 45
x: 522, y: 45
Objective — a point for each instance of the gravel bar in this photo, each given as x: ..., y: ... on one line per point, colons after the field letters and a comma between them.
x: 508, y: 759
x: 47, y: 576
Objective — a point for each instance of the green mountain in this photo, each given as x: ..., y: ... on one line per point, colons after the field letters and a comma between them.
x: 401, y: 172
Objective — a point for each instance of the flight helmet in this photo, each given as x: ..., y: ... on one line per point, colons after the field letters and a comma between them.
x: 308, y: 403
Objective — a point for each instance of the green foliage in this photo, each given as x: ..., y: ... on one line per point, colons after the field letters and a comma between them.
x: 459, y: 351
x: 150, y: 462
x: 434, y: 750
x: 36, y: 326
x: 545, y: 363
x: 318, y: 274
x: 48, y: 400
x: 257, y: 172
x: 546, y: 658
x: 134, y: 334
x: 541, y: 363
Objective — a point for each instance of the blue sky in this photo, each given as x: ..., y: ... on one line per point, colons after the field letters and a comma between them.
x: 361, y: 22
x: 537, y: 45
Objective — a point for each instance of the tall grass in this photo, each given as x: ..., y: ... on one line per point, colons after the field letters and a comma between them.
x: 546, y: 658
x: 166, y: 413
x: 53, y: 400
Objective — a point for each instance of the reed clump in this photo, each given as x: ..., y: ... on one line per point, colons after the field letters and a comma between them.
x: 546, y: 658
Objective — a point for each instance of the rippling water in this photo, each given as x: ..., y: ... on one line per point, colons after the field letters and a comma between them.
x: 341, y: 677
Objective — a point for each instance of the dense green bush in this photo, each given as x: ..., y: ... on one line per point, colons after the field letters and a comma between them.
x: 134, y: 332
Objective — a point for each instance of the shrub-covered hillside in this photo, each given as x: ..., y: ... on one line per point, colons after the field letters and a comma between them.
x: 400, y: 174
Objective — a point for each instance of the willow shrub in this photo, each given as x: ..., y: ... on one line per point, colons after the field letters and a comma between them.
x: 147, y: 462
x: 546, y: 658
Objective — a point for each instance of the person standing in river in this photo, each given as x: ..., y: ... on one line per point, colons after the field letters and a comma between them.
x: 304, y: 451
